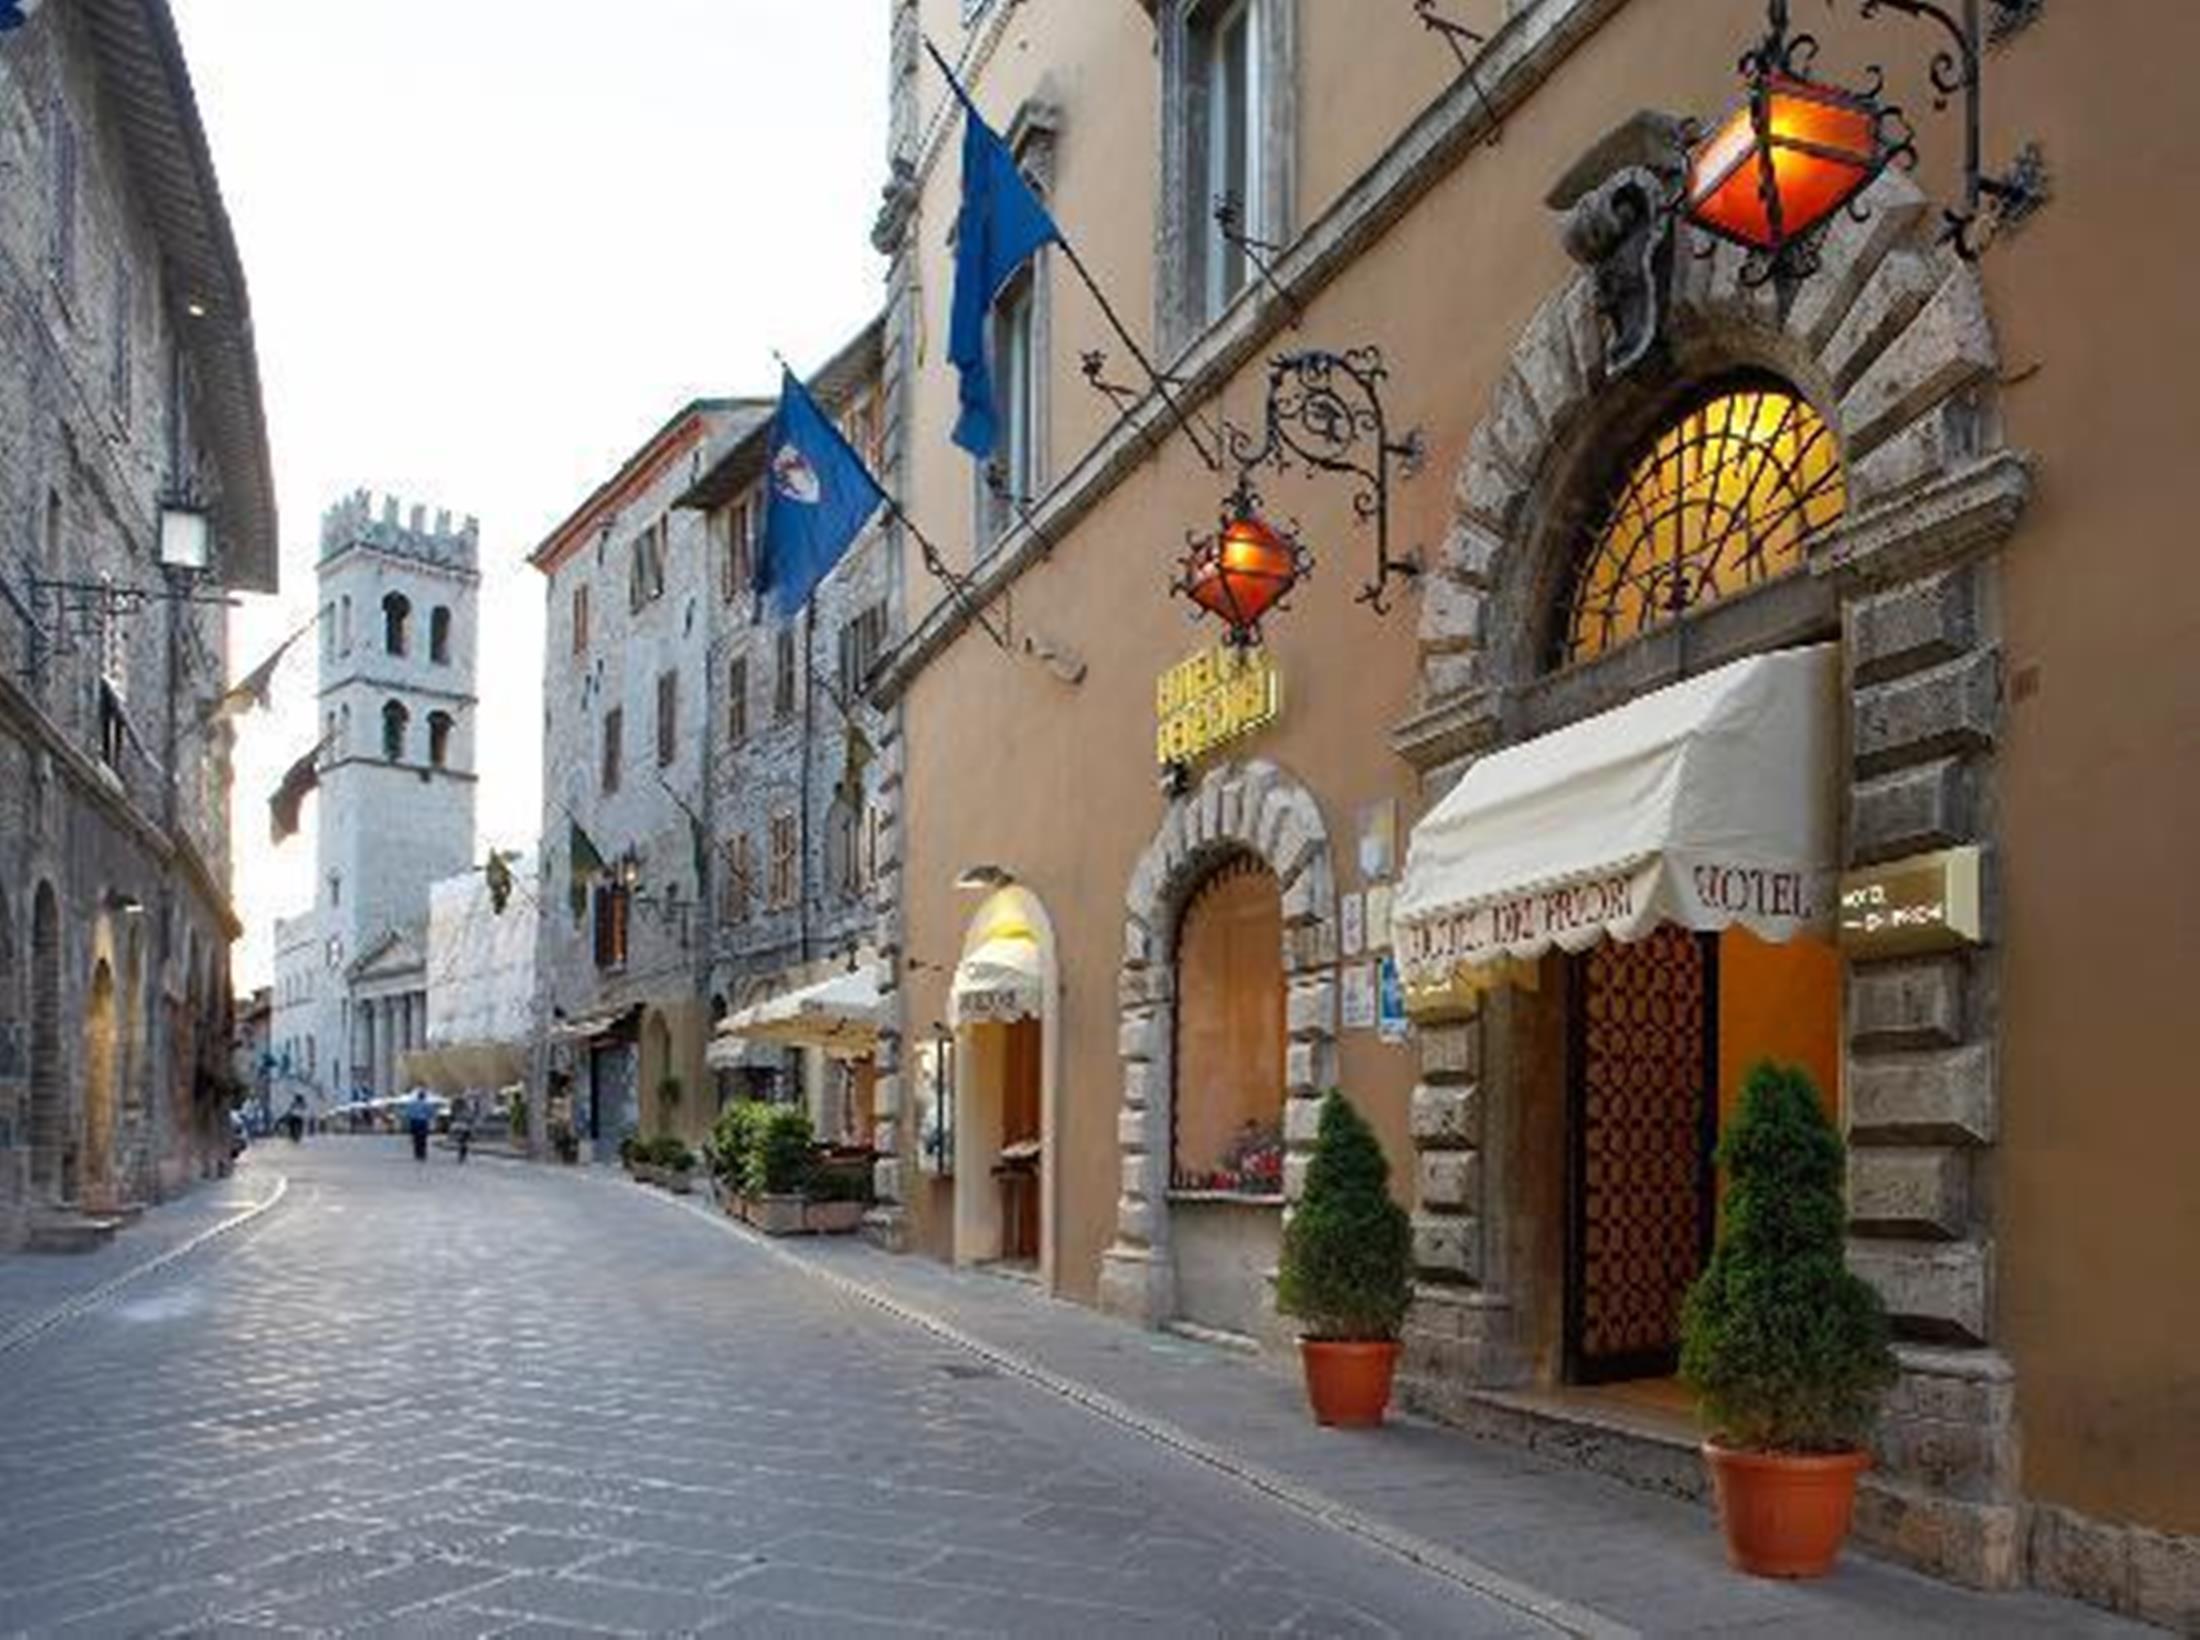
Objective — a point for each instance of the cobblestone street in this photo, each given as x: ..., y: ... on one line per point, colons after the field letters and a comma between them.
x: 398, y: 1400
x: 491, y: 1400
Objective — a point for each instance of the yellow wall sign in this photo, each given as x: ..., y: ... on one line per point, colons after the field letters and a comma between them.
x: 1216, y: 696
x: 1929, y: 902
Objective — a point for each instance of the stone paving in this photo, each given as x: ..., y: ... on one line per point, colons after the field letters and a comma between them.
x: 501, y: 1400
x: 506, y: 1400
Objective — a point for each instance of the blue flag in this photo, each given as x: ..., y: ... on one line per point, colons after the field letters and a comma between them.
x: 1000, y: 227
x: 15, y: 13
x: 821, y: 497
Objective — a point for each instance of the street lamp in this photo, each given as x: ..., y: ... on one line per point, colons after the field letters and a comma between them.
x: 1243, y: 571
x: 186, y: 535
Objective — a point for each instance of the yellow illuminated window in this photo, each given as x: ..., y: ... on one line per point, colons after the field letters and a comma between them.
x: 1724, y: 499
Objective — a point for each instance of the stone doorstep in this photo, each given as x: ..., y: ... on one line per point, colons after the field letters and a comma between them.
x: 1638, y: 1444
x: 67, y: 1231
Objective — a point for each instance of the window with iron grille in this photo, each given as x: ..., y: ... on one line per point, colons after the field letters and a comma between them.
x: 786, y: 847
x: 668, y: 718
x: 614, y: 733
x: 737, y: 702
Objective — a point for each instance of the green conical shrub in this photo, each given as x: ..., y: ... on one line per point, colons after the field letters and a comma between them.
x: 1347, y: 1265
x: 1784, y: 1345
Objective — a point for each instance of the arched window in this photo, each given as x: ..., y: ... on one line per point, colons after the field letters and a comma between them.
x: 1227, y: 1132
x: 439, y: 636
x: 394, y: 721
x: 396, y: 623
x: 440, y: 725
x: 1725, y: 497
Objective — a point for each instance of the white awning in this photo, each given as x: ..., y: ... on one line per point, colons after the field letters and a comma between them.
x: 737, y: 1053
x: 840, y: 1015
x: 998, y: 983
x: 1708, y: 804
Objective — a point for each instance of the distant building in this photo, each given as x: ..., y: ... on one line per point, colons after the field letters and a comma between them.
x: 398, y: 629
x: 481, y: 982
x: 129, y: 398
x: 625, y: 933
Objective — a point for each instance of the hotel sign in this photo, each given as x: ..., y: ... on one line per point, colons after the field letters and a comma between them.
x: 1217, y: 696
x: 1929, y: 902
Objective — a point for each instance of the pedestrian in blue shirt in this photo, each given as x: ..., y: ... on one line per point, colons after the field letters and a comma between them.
x: 419, y: 1117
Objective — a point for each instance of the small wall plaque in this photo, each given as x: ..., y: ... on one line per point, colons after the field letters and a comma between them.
x: 1929, y: 902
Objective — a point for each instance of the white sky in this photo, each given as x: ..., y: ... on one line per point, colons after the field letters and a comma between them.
x: 493, y: 244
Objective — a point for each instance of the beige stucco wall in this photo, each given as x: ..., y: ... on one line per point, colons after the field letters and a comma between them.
x: 2094, y: 1189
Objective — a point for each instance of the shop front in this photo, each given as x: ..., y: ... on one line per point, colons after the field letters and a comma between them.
x: 815, y: 1045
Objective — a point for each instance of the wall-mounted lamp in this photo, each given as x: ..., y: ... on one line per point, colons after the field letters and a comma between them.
x: 984, y: 877
x: 186, y: 534
x: 128, y: 904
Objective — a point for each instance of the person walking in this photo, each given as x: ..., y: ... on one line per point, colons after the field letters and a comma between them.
x: 462, y: 1126
x: 419, y: 1118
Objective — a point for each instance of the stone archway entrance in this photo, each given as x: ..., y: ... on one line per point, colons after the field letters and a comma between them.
x: 1891, y: 341
x: 52, y: 1164
x: 99, y: 1086
x: 1254, y: 810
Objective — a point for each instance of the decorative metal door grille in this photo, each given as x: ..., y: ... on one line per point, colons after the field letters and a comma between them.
x: 1724, y: 499
x: 1645, y: 1110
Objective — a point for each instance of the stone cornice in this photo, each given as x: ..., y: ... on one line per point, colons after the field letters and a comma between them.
x: 1518, y: 58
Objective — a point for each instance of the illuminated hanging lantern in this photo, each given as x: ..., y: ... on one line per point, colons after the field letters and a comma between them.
x: 1243, y: 572
x: 1791, y: 155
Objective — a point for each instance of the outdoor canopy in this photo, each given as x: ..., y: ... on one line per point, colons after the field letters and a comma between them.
x: 999, y: 982
x: 1708, y: 804
x: 840, y: 1015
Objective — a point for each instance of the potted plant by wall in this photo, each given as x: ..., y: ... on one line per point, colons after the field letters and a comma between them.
x: 839, y: 1194
x: 1782, y: 1343
x: 1346, y: 1271
x: 565, y: 1141
x: 780, y: 1159
x: 733, y: 1141
x: 675, y: 1164
x: 630, y: 1154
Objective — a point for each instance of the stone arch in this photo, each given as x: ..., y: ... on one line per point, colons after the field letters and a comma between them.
x: 1889, y: 340
x: 1258, y: 809
x: 51, y: 1164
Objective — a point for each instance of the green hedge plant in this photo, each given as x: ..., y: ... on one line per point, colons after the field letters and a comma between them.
x: 782, y: 1153
x: 1347, y: 1265
x: 1783, y: 1344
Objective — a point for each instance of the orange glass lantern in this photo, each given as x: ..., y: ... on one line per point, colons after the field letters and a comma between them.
x: 1243, y: 572
x: 1783, y: 162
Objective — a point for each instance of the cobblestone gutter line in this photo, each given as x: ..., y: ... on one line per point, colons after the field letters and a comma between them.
x: 39, y: 1325
x: 1563, y: 1616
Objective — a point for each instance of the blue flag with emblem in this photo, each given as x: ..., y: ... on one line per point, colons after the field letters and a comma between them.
x: 15, y: 13
x: 1000, y: 227
x: 821, y: 497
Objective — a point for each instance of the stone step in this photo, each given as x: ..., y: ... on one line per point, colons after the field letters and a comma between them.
x: 71, y: 1233
x: 1641, y: 1445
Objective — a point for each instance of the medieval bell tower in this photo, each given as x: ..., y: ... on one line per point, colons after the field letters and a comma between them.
x: 398, y: 633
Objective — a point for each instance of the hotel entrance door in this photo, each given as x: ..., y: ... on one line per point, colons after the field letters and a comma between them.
x: 1643, y: 1117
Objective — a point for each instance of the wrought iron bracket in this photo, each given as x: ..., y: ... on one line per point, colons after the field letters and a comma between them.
x: 1459, y: 37
x: 1260, y: 253
x: 1325, y: 413
x: 84, y: 610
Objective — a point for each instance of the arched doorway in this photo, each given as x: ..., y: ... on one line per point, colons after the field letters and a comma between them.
x: 100, y: 1034
x: 1241, y: 821
x: 1226, y: 1105
x: 52, y: 1169
x: 1004, y: 1012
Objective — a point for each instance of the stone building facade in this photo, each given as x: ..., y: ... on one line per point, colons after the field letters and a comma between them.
x: 128, y: 392
x: 1992, y: 570
x: 624, y: 941
x: 398, y: 630
x: 792, y: 801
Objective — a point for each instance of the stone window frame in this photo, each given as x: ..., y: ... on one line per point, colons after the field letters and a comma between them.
x: 1184, y: 209
x: 439, y: 635
x: 737, y: 702
x: 1258, y: 809
x: 668, y: 717
x: 613, y: 750
x: 396, y: 726
x: 783, y: 875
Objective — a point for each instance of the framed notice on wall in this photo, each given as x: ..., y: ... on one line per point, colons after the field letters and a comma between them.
x: 934, y: 1116
x: 1359, y: 997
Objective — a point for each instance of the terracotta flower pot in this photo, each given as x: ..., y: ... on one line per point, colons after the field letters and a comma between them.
x: 1349, y: 1383
x: 1785, y: 1515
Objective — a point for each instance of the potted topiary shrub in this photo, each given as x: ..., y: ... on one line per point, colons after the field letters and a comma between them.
x: 1785, y: 1346
x: 780, y: 1158
x: 1346, y: 1271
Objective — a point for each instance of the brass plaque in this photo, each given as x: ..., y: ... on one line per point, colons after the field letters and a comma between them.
x: 1929, y: 902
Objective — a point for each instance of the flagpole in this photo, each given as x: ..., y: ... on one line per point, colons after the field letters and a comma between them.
x: 1160, y: 382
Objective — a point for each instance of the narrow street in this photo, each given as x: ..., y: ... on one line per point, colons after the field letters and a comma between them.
x: 435, y: 1401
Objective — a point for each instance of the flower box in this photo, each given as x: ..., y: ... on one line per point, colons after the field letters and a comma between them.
x: 779, y: 1215
x: 833, y: 1218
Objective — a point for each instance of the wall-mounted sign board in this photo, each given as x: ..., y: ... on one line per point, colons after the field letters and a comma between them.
x: 1216, y: 696
x: 1928, y: 902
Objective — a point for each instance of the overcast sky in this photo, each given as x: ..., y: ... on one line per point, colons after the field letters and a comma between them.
x: 492, y: 245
